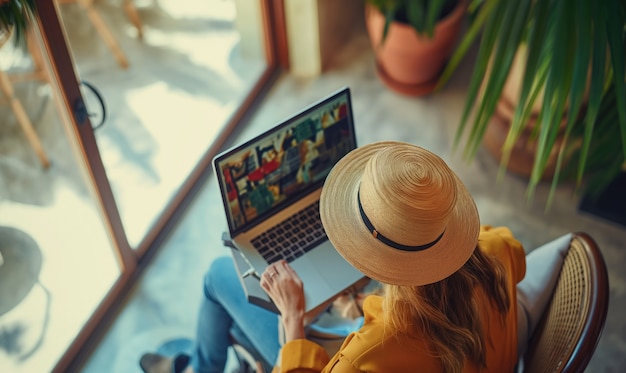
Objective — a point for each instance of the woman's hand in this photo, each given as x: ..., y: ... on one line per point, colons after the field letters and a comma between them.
x: 285, y: 288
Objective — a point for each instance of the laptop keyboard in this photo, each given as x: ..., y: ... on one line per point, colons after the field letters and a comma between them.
x: 292, y: 237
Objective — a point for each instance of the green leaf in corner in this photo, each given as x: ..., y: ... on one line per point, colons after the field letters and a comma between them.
x: 434, y: 10
x: 578, y: 88
x: 466, y: 42
x: 15, y: 17
x: 389, y: 16
x: 501, y: 62
x: 534, y: 75
x: 416, y: 15
x: 596, y: 88
x: 556, y: 93
x: 488, y: 39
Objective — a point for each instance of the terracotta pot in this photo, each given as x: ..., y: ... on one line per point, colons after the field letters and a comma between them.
x: 523, y: 154
x: 407, y: 62
x: 512, y: 88
x: 513, y: 85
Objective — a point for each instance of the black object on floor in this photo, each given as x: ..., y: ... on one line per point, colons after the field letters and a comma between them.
x: 20, y: 265
x: 171, y: 356
x: 610, y: 204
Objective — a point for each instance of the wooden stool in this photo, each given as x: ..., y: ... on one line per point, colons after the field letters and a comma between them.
x: 133, y: 16
x: 6, y: 86
x: 103, y: 29
x: 40, y: 73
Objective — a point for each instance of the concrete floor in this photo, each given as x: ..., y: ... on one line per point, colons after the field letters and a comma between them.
x: 164, y: 302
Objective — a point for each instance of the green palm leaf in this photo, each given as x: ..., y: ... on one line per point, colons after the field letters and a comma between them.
x: 14, y: 16
x: 574, y: 63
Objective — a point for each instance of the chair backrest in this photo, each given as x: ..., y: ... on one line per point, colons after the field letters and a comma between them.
x: 570, y: 328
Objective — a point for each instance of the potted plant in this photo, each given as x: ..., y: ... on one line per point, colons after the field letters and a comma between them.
x: 569, y: 92
x: 14, y: 18
x: 412, y: 40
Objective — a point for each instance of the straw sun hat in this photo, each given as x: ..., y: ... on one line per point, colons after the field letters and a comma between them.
x: 398, y: 214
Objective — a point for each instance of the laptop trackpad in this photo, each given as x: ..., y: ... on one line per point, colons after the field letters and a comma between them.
x: 316, y: 291
x: 325, y: 274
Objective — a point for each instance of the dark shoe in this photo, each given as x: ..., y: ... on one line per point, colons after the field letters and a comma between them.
x: 180, y: 363
x: 155, y: 363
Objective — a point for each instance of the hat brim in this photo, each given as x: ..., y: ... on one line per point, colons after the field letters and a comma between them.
x: 341, y: 219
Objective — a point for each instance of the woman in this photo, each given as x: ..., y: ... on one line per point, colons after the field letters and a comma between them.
x: 397, y: 213
x: 401, y: 216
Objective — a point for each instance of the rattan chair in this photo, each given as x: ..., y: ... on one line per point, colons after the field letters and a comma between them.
x: 568, y: 333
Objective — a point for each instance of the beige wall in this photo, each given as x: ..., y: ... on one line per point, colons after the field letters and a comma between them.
x: 338, y: 20
x: 316, y: 29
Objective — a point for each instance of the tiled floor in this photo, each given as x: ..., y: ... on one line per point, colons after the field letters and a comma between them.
x: 164, y: 303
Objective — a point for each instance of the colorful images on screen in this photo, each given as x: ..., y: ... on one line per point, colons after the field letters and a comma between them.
x: 269, y: 171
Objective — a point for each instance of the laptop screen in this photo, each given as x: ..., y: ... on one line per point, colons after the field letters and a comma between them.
x: 269, y: 172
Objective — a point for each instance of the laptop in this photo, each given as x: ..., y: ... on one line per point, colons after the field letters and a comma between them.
x: 270, y: 187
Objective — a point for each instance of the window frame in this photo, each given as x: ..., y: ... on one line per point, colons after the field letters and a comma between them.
x: 133, y: 261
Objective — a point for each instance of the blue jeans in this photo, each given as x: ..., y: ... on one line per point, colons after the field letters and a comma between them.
x: 226, y: 310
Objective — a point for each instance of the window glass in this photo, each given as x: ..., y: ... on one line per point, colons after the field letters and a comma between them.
x: 171, y: 73
x: 57, y: 262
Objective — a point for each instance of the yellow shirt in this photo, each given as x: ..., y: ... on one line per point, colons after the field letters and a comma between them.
x: 370, y: 350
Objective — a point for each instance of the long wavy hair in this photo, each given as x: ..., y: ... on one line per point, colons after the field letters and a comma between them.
x: 445, y: 313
